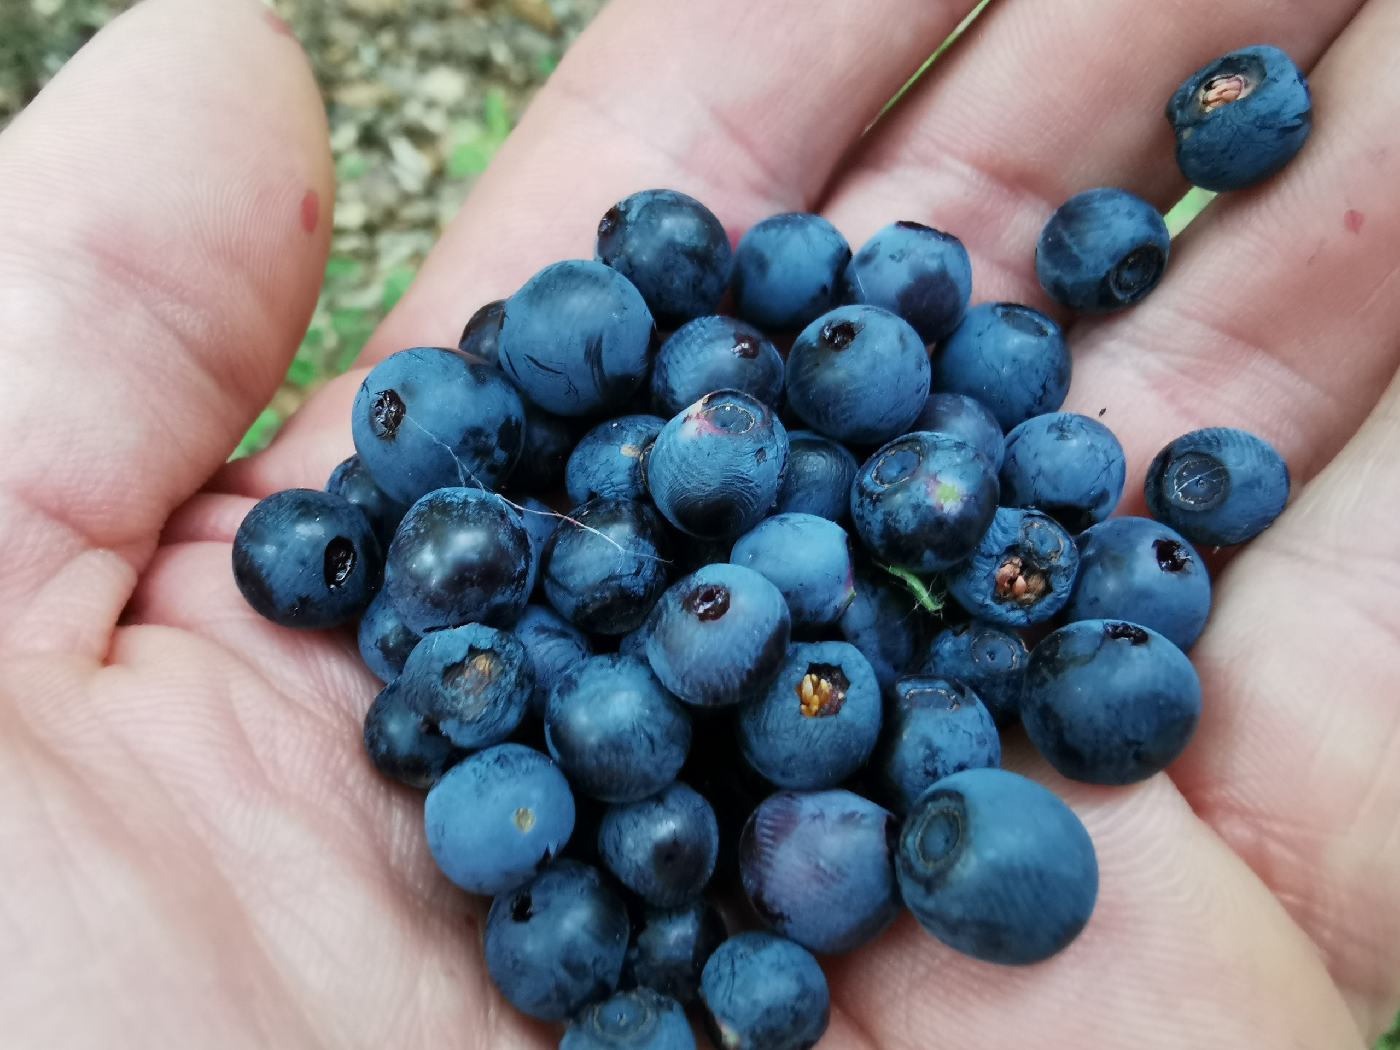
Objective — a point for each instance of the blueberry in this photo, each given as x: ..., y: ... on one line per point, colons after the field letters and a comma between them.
x: 553, y: 646
x: 556, y: 944
x: 787, y: 271
x: 764, y: 991
x: 990, y: 660
x: 936, y: 727
x: 1141, y: 571
x: 404, y: 745
x: 672, y: 248
x: 858, y: 374
x: 819, y: 720
x: 548, y: 441
x: 618, y: 735
x: 817, y: 868
x: 634, y: 642
x: 1067, y: 465
x: 607, y: 460
x: 719, y: 635
x: 637, y: 1020
x: 1109, y: 702
x: 351, y: 481
x: 304, y: 558
x: 1240, y: 118
x: 670, y: 947
x: 483, y: 330
x: 460, y: 556
x: 1217, y: 486
x: 923, y: 501
x: 965, y: 418
x: 1102, y: 250
x: 496, y: 818
x: 1021, y: 573
x: 473, y: 683
x: 427, y: 418
x: 885, y: 623
x: 920, y: 273
x: 715, y: 353
x: 1009, y: 357
x: 818, y: 479
x: 606, y: 565
x: 807, y: 558
x: 715, y: 469
x: 997, y: 867
x: 576, y: 338
x: 540, y: 521
x: 662, y: 848
x: 384, y: 639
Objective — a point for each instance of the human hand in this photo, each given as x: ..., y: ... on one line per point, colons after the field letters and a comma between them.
x: 195, y: 848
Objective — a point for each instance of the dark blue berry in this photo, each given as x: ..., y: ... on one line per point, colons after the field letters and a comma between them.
x: 607, y: 460
x: 404, y: 745
x: 965, y: 418
x: 1021, y: 573
x: 637, y: 1020
x: 304, y: 558
x: 715, y: 353
x: 483, y: 330
x: 384, y: 639
x: 807, y: 558
x: 473, y: 683
x: 548, y: 441
x: 351, y: 481
x: 818, y: 479
x: 1218, y: 486
x: 540, y: 521
x: 606, y: 565
x: 920, y: 273
x: 990, y: 660
x: 787, y: 271
x: 662, y: 848
x: 1102, y: 250
x: 1010, y: 358
x: 764, y: 991
x: 670, y: 947
x: 1067, y: 465
x: 886, y: 624
x: 935, y: 728
x: 552, y: 646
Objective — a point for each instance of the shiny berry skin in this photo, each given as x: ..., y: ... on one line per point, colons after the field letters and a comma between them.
x: 1240, y: 118
x: 1144, y: 572
x: 304, y: 558
x: 817, y: 868
x: 497, y: 817
x: 607, y: 460
x: 1067, y: 465
x: 715, y: 469
x: 787, y: 271
x: 662, y: 848
x: 819, y: 719
x: 614, y: 730
x: 965, y: 418
x: 818, y: 479
x: 1102, y: 250
x: 1012, y: 359
x: 923, y: 501
x: 858, y: 374
x: 606, y: 565
x: 886, y: 624
x: 556, y: 944
x: 989, y: 659
x: 636, y: 1020
x: 670, y: 947
x: 1218, y: 486
x: 473, y: 683
x: 719, y: 635
x: 576, y: 339
x: 807, y: 558
x: 935, y: 728
x: 483, y: 330
x: 352, y: 481
x: 759, y: 990
x: 405, y: 746
x: 715, y: 353
x: 922, y: 274
x: 553, y: 646
x: 672, y: 248
x: 460, y: 556
x: 427, y: 418
x: 1021, y: 573
x: 1109, y: 702
x: 997, y: 867
x: 384, y: 639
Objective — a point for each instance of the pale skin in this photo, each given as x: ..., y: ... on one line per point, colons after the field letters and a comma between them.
x: 194, y: 849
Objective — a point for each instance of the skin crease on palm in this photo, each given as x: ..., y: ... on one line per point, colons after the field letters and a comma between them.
x: 192, y: 844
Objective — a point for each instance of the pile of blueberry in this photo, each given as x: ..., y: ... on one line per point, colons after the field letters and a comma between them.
x: 653, y: 614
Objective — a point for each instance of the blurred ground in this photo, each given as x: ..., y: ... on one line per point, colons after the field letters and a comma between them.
x: 420, y: 93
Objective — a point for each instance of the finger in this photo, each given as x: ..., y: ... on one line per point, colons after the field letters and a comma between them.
x: 1297, y: 760
x: 1040, y: 101
x: 750, y: 110
x: 165, y: 205
x: 1180, y: 922
x: 1280, y: 314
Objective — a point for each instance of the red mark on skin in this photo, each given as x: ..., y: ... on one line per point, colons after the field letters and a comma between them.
x: 1353, y: 220
x: 310, y: 211
x: 278, y: 24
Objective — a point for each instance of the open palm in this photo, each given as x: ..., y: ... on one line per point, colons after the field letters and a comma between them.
x: 194, y: 850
